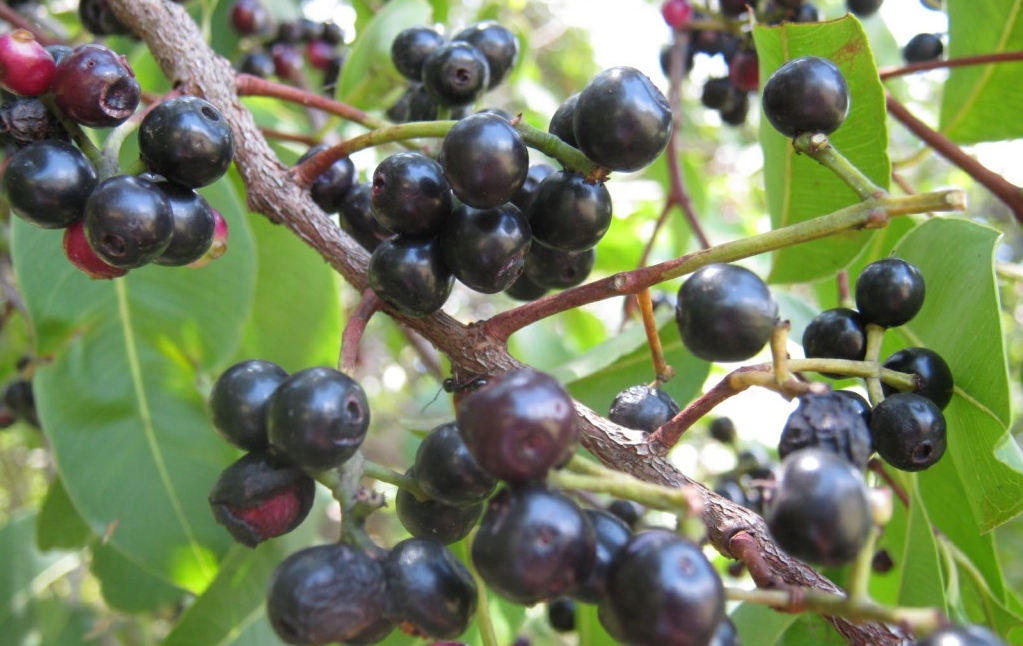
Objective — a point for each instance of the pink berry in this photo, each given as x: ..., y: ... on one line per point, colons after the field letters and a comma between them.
x: 81, y: 255
x: 219, y: 245
x: 26, y: 68
x: 677, y: 13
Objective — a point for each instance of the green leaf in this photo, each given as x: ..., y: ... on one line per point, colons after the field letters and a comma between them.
x: 974, y: 96
x: 591, y: 632
x: 59, y: 525
x: 798, y: 188
x: 960, y: 321
x: 761, y: 626
x: 128, y: 587
x: 118, y: 393
x: 921, y: 583
x: 368, y: 72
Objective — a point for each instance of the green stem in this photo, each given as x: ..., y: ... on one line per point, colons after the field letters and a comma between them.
x: 599, y: 479
x: 859, y: 574
x: 383, y: 474
x: 817, y: 147
x: 88, y: 148
x: 110, y: 163
x: 864, y: 369
x: 483, y: 619
x: 569, y: 157
x: 875, y: 336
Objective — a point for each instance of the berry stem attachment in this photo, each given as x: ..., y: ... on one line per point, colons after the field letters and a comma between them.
x: 875, y: 336
x: 819, y: 148
x: 88, y: 148
x: 586, y: 475
x: 859, y: 571
x: 354, y: 328
x: 356, y: 501
x: 663, y: 371
x: 383, y: 474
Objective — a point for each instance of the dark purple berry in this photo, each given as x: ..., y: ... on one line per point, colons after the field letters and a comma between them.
x: 561, y: 125
x: 95, y: 87
x: 410, y: 49
x: 25, y: 121
x: 561, y: 614
x: 725, y: 313
x: 863, y: 8
x: 186, y: 140
x: 257, y: 63
x: 415, y: 104
x: 642, y: 408
x: 48, y: 182
x: 409, y: 274
x: 250, y: 18
x: 238, y: 401
x: 909, y: 431
x: 626, y: 510
x: 429, y: 518
x: 716, y: 91
x: 485, y: 248
x: 456, y: 73
x: 722, y: 429
x: 611, y: 534
x: 569, y: 213
x: 410, y: 195
x: 535, y: 174
x: 744, y: 70
x: 128, y: 221
x: 807, y: 94
x: 922, y: 48
x: 447, y: 472
x: 836, y: 334
x: 332, y: 185
x: 520, y: 425
x: 357, y: 220
x: 194, y: 226
x: 318, y: 418
x: 524, y: 289
x: 829, y: 421
x: 429, y: 588
x: 497, y: 44
x: 533, y: 544
x: 933, y: 376
x: 26, y: 68
x: 260, y: 497
x: 622, y: 121
x: 485, y: 160
x: 553, y: 268
x: 889, y: 292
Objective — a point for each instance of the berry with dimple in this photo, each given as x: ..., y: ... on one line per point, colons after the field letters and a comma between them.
x: 533, y: 544
x: 807, y: 94
x: 642, y: 408
x: 570, y: 213
x: 128, y: 221
x: 552, y: 268
x: 889, y: 292
x: 411, y: 47
x: 520, y: 425
x: 932, y: 375
x: 829, y: 421
x: 409, y: 274
x: 969, y: 635
x: 410, y: 194
x: 725, y: 313
x: 81, y: 255
x: 94, y: 86
x: 48, y: 182
x: 237, y: 403
x: 863, y: 8
x: 455, y: 74
x: 429, y: 588
x: 318, y: 418
x: 819, y: 511
x: 611, y: 534
x: 621, y: 120
x: 744, y: 70
x: 485, y: 248
x: 260, y: 496
x: 836, y: 334
x: 430, y: 518
x: 677, y: 13
x: 187, y: 140
x: 922, y: 48
x: 485, y: 160
x: 357, y: 220
x: 331, y: 186
x: 447, y: 472
x: 324, y: 594
x: 661, y: 589
x: 26, y: 68
x: 194, y: 226
x: 498, y: 45
x: 909, y: 431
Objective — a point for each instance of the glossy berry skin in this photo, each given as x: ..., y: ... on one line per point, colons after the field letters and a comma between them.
x: 411, y: 47
x: 933, y: 376
x: 535, y: 174
x: 611, y: 534
x: 969, y: 635
x: 485, y: 160
x: 357, y: 220
x: 410, y: 195
x: 922, y: 48
x: 642, y: 408
x: 520, y: 425
x: 455, y: 74
x: 318, y: 418
x: 95, y: 87
x: 128, y: 221
x: 807, y: 94
x: 81, y: 255
x: 569, y: 213
x: 661, y: 589
x: 261, y: 496
x: 219, y: 245
x: 524, y: 289
x: 552, y: 268
x: 26, y: 68
x: 409, y: 274
x: 533, y: 545
x: 837, y: 333
x: 332, y: 185
x: 829, y: 421
x: 909, y: 431
x: 194, y: 226
x: 187, y: 140
x: 447, y: 472
x: 429, y: 588
x: 889, y: 292
x: 324, y: 594
x: 237, y: 403
x: 434, y: 519
x: 485, y: 249
x: 498, y: 45
x: 48, y: 182
x: 622, y: 121
x: 561, y: 125
x: 863, y: 8
x: 819, y: 511
x: 725, y: 313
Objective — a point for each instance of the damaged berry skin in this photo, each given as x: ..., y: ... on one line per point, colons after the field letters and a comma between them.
x: 325, y: 594
x: 238, y: 402
x: 642, y: 408
x: 318, y: 418
x: 829, y: 421
x: 95, y: 87
x: 260, y: 497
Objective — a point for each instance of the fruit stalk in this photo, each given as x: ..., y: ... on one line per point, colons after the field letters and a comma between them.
x: 819, y: 148
x: 662, y: 371
x: 597, y: 479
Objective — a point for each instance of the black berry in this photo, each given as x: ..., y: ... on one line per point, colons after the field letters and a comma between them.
x: 722, y: 429
x: 429, y: 588
x: 186, y: 140
x: 429, y: 518
x: 933, y: 376
x: 561, y: 614
x: 863, y: 8
x: 411, y: 47
x: 535, y: 174
x: 409, y: 274
x: 909, y: 431
x: 194, y: 226
x: 922, y: 48
x: 497, y: 44
x: 561, y: 125
x: 128, y: 221
x: 485, y: 160
x: 552, y: 268
x: 357, y: 220
x: 332, y: 185
x: 569, y: 213
x: 889, y: 292
x: 238, y: 401
x: 807, y: 94
x: 611, y: 534
x: 485, y: 249
x: 837, y: 333
x: 642, y: 408
x: 447, y: 472
x: 48, y: 182
x: 410, y: 195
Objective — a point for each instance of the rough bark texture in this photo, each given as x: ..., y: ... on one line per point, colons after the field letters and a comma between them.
x: 178, y: 46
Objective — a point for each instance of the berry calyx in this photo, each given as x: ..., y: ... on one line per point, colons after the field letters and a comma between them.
x: 456, y: 74
x: 128, y: 221
x: 909, y: 431
x: 807, y: 94
x: 81, y: 255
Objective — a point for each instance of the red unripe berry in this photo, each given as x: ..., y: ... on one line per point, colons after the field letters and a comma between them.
x: 81, y: 255
x: 250, y: 18
x: 273, y: 516
x: 320, y: 53
x: 744, y: 70
x: 677, y: 13
x: 219, y: 246
x: 26, y: 68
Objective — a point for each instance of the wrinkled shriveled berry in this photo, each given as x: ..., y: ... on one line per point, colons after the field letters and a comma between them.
x: 829, y: 421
